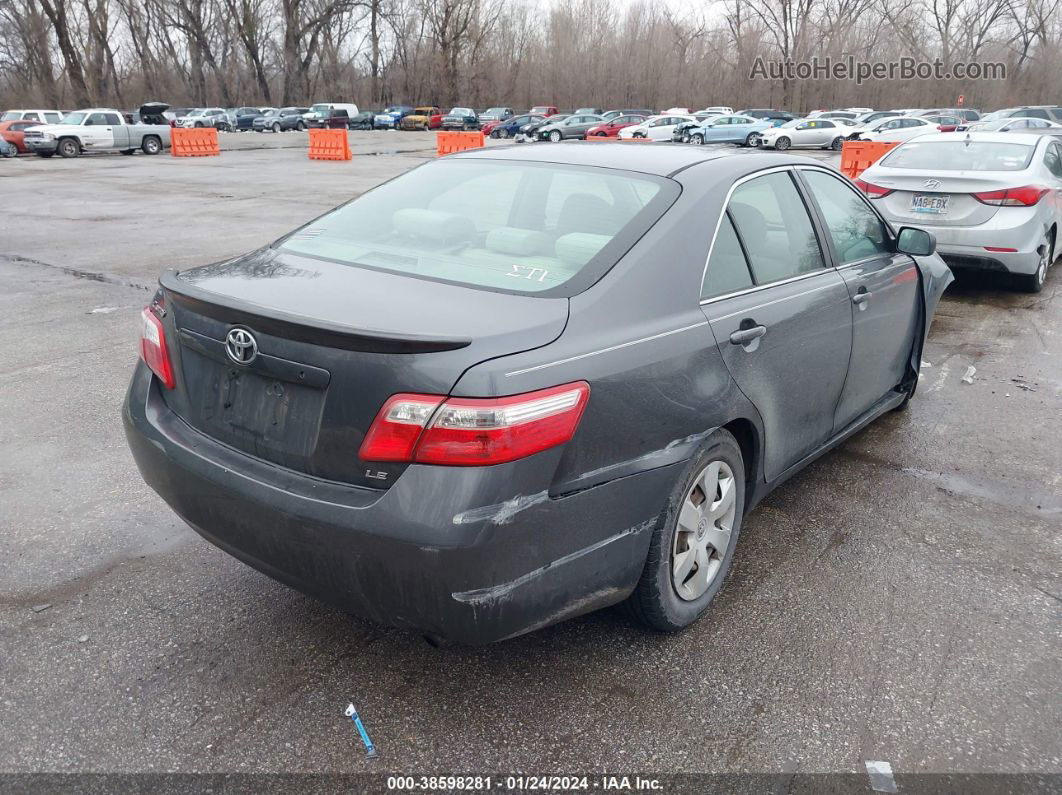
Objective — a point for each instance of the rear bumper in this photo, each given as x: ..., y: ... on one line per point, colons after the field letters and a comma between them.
x: 474, y: 555
x: 966, y: 247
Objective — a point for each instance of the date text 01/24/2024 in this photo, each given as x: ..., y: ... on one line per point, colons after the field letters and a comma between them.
x: 522, y: 782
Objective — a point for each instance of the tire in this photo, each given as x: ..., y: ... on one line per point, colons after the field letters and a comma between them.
x: 198, y: 125
x: 503, y: 133
x: 300, y: 126
x: 752, y: 139
x: 837, y: 143
x: 697, y: 140
x: 151, y: 145
x: 276, y: 126
x: 495, y: 134
x: 68, y: 147
x: 1034, y: 282
x: 555, y: 136
x: 660, y: 600
x: 782, y: 143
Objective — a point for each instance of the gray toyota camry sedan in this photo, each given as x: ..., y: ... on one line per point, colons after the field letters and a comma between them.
x: 512, y: 386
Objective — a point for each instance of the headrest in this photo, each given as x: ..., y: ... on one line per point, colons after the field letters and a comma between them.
x: 518, y: 242
x: 578, y: 248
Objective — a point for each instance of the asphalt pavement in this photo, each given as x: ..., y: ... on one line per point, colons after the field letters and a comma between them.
x: 898, y: 601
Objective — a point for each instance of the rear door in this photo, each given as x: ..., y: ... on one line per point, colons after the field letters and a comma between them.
x: 884, y: 288
x: 120, y: 135
x: 781, y: 316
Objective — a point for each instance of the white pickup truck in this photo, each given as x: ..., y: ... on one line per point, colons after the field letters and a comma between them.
x: 98, y: 130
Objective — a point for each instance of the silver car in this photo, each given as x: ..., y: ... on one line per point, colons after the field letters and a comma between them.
x: 821, y: 133
x: 993, y: 200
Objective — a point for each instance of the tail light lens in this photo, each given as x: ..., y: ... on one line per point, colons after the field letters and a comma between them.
x: 153, y: 348
x: 1025, y: 196
x: 871, y: 190
x: 429, y: 429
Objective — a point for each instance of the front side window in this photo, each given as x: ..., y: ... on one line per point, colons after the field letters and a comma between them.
x: 501, y: 225
x: 856, y: 231
x: 96, y: 118
x: 52, y: 118
x: 32, y: 116
x: 728, y: 270
x: 775, y: 228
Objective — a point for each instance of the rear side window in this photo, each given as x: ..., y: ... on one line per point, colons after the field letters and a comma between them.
x: 960, y: 156
x: 500, y: 225
x: 32, y: 116
x: 52, y: 117
x: 775, y: 228
x: 1052, y: 160
x: 728, y: 270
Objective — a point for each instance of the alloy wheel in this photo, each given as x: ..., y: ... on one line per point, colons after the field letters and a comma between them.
x: 702, y: 534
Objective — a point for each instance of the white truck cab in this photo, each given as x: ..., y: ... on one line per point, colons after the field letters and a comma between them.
x: 35, y: 114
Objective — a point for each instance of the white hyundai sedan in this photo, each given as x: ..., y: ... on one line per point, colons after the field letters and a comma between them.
x: 993, y: 200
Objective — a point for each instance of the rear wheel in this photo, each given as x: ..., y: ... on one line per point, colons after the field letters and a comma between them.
x: 753, y: 139
x: 68, y: 147
x: 151, y: 145
x: 1034, y: 282
x: 782, y: 143
x: 694, y: 539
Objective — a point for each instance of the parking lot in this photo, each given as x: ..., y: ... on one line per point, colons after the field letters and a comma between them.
x: 896, y: 601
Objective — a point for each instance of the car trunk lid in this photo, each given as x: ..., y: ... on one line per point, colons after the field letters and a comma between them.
x: 332, y: 342
x: 957, y: 206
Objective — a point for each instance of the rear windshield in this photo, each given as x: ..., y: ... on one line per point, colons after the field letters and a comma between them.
x: 960, y: 156
x: 498, y: 225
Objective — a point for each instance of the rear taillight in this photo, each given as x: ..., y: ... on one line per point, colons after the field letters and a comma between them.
x: 429, y: 429
x: 871, y: 190
x: 1025, y: 196
x: 153, y: 348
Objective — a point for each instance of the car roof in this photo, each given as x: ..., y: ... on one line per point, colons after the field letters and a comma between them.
x: 999, y: 138
x: 661, y: 159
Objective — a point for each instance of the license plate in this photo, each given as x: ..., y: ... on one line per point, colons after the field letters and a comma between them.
x: 930, y: 203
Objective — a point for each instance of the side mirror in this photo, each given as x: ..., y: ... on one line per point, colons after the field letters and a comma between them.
x: 916, y: 242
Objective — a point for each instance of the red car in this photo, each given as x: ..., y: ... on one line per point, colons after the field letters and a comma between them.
x: 14, y: 133
x: 489, y: 126
x: 611, y: 128
x: 543, y: 110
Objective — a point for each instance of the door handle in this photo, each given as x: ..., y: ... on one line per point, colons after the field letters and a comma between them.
x: 746, y: 335
x: 861, y: 296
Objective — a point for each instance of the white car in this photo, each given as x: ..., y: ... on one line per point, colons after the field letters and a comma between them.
x: 993, y: 200
x: 720, y: 110
x: 656, y: 128
x: 34, y: 114
x: 1009, y: 125
x: 901, y: 128
x: 206, y: 117
x: 820, y: 133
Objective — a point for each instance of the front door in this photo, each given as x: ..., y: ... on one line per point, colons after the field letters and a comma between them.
x: 780, y: 314
x: 884, y: 288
